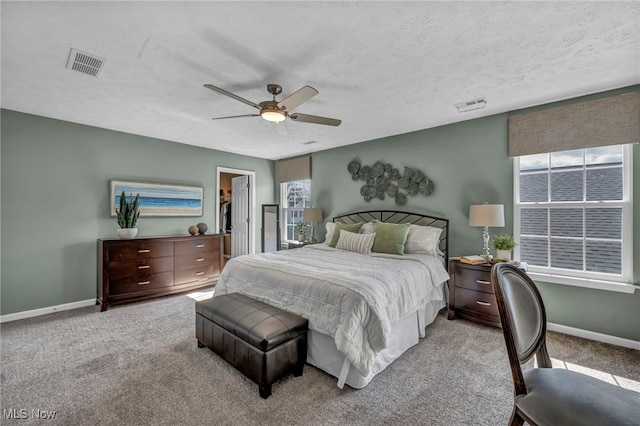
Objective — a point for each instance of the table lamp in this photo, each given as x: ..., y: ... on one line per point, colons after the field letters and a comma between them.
x: 312, y: 215
x: 486, y: 215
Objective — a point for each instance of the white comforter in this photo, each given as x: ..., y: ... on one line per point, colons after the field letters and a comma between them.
x: 351, y: 296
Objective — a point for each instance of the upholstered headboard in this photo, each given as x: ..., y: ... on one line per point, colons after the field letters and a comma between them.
x: 394, y: 216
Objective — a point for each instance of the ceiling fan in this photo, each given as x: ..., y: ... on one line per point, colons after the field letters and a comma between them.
x: 277, y: 111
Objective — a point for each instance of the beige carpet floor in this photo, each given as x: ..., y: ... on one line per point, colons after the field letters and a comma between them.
x: 139, y: 364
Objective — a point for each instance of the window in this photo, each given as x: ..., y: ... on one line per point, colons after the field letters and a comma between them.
x: 295, y: 196
x: 573, y: 213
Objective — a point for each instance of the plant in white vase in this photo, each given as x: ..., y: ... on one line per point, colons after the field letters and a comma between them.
x: 503, y: 245
x: 127, y: 216
x: 301, y: 228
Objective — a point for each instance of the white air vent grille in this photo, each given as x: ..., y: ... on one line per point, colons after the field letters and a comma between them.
x: 85, y: 63
x: 471, y: 105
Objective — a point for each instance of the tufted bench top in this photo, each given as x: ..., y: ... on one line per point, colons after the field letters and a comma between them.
x: 255, y: 322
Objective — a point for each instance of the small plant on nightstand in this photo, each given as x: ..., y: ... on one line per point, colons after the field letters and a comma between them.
x: 503, y: 245
x: 301, y: 228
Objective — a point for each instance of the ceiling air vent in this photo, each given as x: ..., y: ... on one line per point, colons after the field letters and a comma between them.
x: 471, y: 105
x: 85, y: 62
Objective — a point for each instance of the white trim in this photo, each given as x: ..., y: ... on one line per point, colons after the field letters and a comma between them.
x: 583, y: 282
x: 48, y: 310
x: 592, y: 335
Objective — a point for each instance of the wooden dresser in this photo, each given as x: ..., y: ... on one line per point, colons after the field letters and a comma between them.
x: 471, y: 293
x: 143, y: 268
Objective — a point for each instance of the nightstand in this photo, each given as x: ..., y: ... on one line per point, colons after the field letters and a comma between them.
x: 471, y: 293
x: 297, y: 244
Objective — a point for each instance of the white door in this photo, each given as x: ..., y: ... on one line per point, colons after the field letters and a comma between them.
x: 239, y: 216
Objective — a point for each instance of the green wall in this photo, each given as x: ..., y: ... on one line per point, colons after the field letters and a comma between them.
x: 55, y: 201
x: 55, y: 184
x: 469, y: 164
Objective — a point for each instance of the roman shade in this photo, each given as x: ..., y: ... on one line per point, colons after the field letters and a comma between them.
x: 291, y: 169
x: 609, y: 121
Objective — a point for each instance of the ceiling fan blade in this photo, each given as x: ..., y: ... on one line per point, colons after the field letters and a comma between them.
x: 231, y: 95
x: 305, y: 118
x: 296, y: 99
x: 236, y: 116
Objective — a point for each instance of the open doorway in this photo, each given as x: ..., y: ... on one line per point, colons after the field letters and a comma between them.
x: 235, y: 206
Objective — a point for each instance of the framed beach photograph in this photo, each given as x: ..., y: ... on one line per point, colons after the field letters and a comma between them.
x: 159, y: 199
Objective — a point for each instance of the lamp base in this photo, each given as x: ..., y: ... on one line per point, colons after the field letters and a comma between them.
x: 485, y: 245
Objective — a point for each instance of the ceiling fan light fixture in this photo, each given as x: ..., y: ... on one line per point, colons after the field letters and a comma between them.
x: 273, y: 115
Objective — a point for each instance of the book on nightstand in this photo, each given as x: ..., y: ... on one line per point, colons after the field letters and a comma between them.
x: 473, y: 260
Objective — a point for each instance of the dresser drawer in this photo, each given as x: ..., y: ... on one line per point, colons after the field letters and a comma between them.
x: 476, y: 301
x: 141, y: 250
x: 196, y: 260
x: 473, y: 279
x: 198, y: 245
x: 141, y: 266
x: 140, y: 282
x: 203, y: 273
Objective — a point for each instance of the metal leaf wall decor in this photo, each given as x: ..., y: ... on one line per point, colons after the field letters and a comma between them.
x: 382, y: 179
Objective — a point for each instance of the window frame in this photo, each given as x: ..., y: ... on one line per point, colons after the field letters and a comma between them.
x: 598, y: 280
x: 284, y: 209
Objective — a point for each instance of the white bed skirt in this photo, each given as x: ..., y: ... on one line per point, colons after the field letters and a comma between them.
x: 322, y: 351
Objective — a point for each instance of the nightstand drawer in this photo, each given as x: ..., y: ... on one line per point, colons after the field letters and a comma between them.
x: 473, y: 279
x: 476, y: 301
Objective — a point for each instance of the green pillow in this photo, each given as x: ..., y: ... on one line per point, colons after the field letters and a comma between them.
x: 390, y: 237
x: 351, y: 227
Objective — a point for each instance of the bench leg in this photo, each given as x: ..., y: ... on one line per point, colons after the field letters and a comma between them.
x: 265, y: 391
x: 200, y: 344
x: 297, y: 371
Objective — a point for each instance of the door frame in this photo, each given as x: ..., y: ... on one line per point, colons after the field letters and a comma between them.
x: 252, y: 201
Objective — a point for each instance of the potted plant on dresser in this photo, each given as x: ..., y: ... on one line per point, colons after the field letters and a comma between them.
x: 503, y: 245
x: 127, y: 216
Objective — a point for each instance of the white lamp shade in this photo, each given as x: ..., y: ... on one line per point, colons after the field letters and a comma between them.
x: 486, y: 215
x: 312, y: 214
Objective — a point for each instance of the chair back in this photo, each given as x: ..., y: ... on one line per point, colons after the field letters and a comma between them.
x: 523, y: 319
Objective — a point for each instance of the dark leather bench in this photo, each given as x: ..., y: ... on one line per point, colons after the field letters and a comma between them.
x: 263, y: 342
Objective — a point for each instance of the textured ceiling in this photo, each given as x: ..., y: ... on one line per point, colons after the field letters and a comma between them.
x: 384, y: 68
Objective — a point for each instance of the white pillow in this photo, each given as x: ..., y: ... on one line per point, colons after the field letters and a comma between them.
x: 330, y: 227
x: 353, y: 241
x: 367, y: 228
x: 422, y: 240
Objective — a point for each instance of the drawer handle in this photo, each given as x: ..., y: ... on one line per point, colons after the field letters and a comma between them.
x: 200, y: 259
x: 200, y: 273
x: 144, y: 267
x: 200, y: 245
x: 483, y: 282
x: 144, y: 282
x: 144, y: 251
x: 479, y: 302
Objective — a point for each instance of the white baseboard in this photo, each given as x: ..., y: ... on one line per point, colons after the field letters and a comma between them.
x: 592, y: 335
x: 47, y: 310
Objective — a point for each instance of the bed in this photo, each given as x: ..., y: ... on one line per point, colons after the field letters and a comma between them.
x: 365, y: 309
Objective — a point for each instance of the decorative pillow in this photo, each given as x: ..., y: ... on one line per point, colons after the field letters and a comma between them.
x: 352, y: 241
x: 367, y: 228
x: 390, y: 237
x: 423, y: 240
x: 330, y: 227
x: 351, y: 227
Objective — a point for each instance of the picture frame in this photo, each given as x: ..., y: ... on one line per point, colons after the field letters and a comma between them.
x: 160, y: 199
